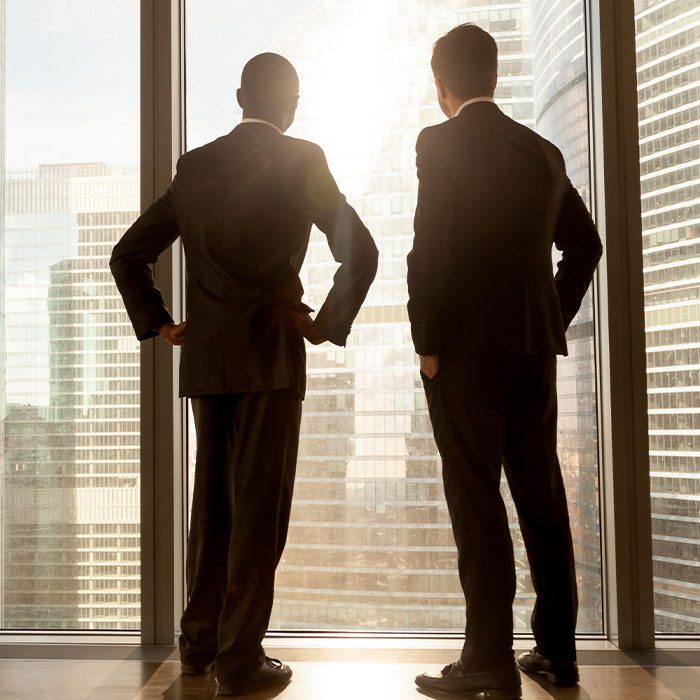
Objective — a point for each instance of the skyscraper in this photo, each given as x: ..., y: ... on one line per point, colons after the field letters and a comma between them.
x: 71, y: 471
x: 668, y: 75
x: 561, y: 115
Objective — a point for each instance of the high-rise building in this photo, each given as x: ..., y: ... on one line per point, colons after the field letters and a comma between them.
x: 71, y: 468
x: 668, y: 76
x: 561, y: 115
x: 370, y: 545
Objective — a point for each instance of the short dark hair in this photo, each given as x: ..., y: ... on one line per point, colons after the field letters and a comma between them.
x: 269, y: 80
x: 466, y: 60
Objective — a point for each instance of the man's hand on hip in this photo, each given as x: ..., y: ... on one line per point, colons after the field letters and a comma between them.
x: 174, y: 334
x: 429, y: 365
x: 303, y: 325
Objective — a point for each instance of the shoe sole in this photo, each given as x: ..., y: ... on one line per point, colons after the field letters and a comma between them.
x: 223, y: 690
x: 551, y: 677
x: 196, y: 670
x: 490, y: 694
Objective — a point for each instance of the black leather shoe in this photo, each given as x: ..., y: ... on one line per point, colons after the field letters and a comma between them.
x: 271, y: 674
x: 501, y: 683
x: 562, y: 674
x: 192, y: 670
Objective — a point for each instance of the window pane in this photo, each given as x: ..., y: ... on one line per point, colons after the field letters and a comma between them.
x: 370, y: 544
x: 668, y: 72
x: 69, y: 365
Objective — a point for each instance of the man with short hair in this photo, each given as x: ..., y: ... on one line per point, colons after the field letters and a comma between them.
x: 244, y: 206
x: 488, y: 318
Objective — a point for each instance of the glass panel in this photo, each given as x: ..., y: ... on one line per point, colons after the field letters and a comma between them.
x: 668, y: 72
x: 69, y: 364
x: 370, y: 545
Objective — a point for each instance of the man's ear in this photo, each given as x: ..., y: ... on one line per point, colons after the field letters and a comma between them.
x: 442, y: 90
x: 241, y: 99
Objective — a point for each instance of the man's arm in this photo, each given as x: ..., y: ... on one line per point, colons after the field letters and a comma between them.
x: 351, y: 245
x: 577, y: 237
x: 139, y: 248
x: 428, y: 261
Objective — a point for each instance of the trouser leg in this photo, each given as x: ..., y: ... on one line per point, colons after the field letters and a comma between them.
x: 209, y: 531
x: 536, y: 484
x: 466, y: 409
x: 265, y: 439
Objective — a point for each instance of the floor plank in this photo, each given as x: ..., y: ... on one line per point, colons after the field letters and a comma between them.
x: 128, y: 679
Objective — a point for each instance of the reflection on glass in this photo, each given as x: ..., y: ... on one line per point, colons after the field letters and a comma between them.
x: 668, y: 74
x: 69, y: 366
x: 370, y: 545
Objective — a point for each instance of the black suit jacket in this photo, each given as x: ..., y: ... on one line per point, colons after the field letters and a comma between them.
x: 493, y: 197
x: 244, y: 206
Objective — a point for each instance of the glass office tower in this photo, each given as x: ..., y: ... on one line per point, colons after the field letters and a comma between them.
x: 70, y: 478
x: 561, y: 115
x: 668, y: 71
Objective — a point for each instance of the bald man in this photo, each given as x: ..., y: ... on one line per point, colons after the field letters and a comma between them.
x: 244, y: 206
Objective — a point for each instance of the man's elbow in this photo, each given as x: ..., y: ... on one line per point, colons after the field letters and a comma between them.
x: 374, y: 258
x: 370, y: 263
x: 598, y: 251
x: 118, y: 263
x: 115, y: 261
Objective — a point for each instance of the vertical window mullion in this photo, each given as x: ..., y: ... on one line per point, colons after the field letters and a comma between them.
x: 161, y: 459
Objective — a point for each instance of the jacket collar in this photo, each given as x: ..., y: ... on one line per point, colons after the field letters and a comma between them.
x: 251, y: 120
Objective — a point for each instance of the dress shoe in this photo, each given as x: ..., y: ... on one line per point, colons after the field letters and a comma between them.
x: 193, y: 670
x: 500, y: 683
x: 271, y: 673
x: 563, y: 674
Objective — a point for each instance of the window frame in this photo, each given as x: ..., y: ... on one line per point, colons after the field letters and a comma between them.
x: 618, y: 304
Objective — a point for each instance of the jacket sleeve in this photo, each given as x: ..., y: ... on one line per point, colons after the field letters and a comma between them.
x: 576, y: 236
x: 428, y: 261
x: 351, y: 245
x: 137, y: 250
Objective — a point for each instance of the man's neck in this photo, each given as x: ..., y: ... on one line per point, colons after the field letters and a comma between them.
x: 273, y: 119
x: 472, y: 100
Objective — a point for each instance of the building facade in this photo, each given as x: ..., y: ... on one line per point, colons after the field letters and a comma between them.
x: 561, y: 115
x: 70, y: 478
x: 668, y: 76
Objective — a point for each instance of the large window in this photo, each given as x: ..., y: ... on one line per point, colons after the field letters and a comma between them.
x: 370, y: 546
x: 69, y: 365
x: 668, y: 67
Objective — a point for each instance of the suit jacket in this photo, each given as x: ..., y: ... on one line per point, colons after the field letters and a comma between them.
x: 493, y: 197
x: 244, y: 206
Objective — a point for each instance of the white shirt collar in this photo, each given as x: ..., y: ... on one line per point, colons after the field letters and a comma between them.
x: 250, y: 120
x: 474, y: 100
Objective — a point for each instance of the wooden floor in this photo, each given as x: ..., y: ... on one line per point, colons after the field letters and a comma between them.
x: 341, y: 674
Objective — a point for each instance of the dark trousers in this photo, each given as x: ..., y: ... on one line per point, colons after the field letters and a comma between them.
x: 488, y: 413
x: 246, y: 461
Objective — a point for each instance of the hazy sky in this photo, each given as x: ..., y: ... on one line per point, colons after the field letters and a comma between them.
x: 72, y: 73
x: 221, y: 36
x: 72, y: 81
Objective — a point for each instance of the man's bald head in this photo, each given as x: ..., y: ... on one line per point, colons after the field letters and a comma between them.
x: 269, y: 86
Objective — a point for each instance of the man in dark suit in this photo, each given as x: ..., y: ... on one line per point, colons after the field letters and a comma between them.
x: 244, y: 206
x: 488, y: 318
